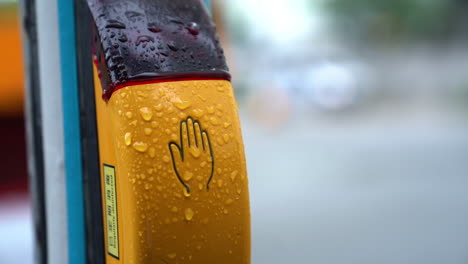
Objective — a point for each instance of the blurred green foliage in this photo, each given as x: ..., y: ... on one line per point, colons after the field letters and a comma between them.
x: 397, y: 20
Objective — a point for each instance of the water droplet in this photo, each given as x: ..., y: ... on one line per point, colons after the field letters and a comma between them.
x: 193, y: 28
x: 225, y: 211
x: 148, y: 131
x: 182, y: 105
x: 140, y: 146
x: 203, y: 164
x: 186, y: 194
x: 133, y: 15
x: 188, y: 214
x: 144, y: 40
x: 226, y: 124
x: 158, y: 107
x: 172, y: 46
x: 220, y: 183
x: 172, y: 255
x: 174, y: 209
x: 111, y: 23
x: 226, y: 138
x: 147, y: 186
x: 229, y: 201
x: 214, y: 121
x: 200, y: 186
x: 233, y: 175
x: 195, y: 152
x: 146, y: 113
x: 142, y: 94
x: 152, y: 152
x: 153, y: 27
x: 188, y: 176
x: 166, y: 159
x: 128, y: 138
x: 210, y: 109
x: 123, y: 38
x: 129, y: 115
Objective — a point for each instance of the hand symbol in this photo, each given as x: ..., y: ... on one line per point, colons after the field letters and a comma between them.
x: 194, y: 156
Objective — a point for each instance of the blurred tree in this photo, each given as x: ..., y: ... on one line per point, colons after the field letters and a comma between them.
x: 385, y: 21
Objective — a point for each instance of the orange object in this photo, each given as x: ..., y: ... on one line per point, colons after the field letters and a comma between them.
x: 11, y: 68
x: 173, y: 174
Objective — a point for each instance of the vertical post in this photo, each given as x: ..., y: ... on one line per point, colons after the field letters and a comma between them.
x: 34, y: 129
x: 72, y: 133
x: 208, y: 5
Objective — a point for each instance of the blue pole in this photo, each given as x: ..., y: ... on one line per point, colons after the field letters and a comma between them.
x: 72, y: 137
x: 208, y: 5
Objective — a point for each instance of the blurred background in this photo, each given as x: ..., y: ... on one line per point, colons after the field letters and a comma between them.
x: 15, y: 213
x: 354, y: 118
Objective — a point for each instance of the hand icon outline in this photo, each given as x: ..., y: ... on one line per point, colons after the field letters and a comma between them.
x: 194, y: 145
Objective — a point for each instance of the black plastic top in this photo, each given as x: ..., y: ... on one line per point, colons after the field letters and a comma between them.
x: 154, y: 39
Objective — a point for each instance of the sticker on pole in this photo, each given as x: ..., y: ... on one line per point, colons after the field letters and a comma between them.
x: 112, y: 221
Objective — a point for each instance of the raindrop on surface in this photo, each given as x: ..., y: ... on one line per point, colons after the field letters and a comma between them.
x: 154, y: 28
x: 144, y: 39
x: 140, y: 146
x: 148, y: 131
x: 189, y: 214
x: 172, y: 46
x: 188, y: 176
x: 182, y: 105
x: 152, y: 152
x: 233, y: 175
x: 128, y: 138
x: 133, y: 15
x: 193, y: 28
x: 111, y: 23
x: 123, y: 38
x: 146, y: 113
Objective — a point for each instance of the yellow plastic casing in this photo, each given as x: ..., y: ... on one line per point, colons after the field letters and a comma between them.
x: 175, y: 152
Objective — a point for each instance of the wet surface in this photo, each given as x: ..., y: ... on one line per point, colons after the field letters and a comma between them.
x: 146, y: 40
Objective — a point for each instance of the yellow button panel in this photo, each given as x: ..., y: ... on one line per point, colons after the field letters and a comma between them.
x: 180, y: 170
